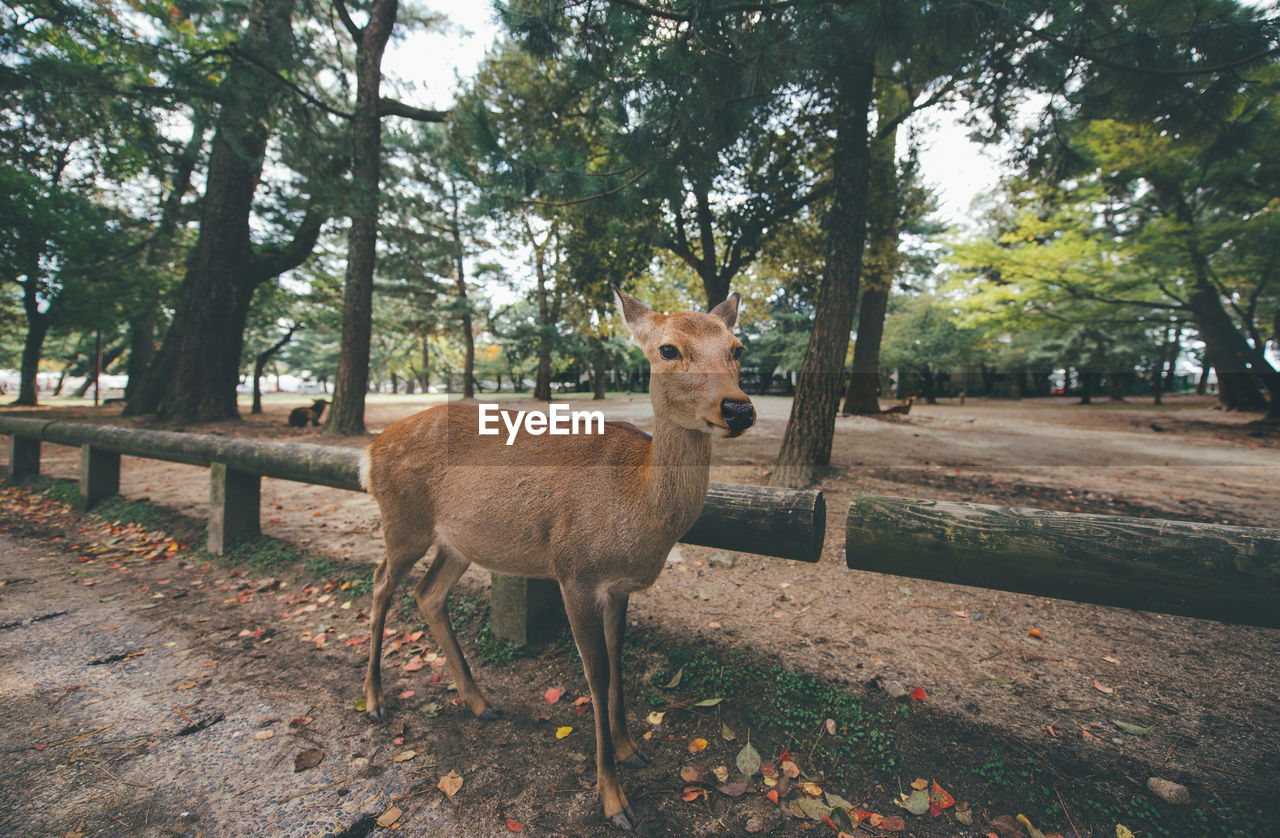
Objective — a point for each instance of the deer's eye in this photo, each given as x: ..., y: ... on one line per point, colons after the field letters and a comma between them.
x: 669, y: 352
x: 737, y: 352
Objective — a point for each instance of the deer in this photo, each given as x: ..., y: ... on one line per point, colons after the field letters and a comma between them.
x: 598, y: 514
x: 899, y: 409
x: 300, y: 416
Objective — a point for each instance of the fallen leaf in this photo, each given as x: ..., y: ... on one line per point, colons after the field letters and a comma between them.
x: 1123, y: 831
x: 1102, y: 688
x: 814, y: 809
x: 552, y: 695
x: 405, y: 756
x: 691, y: 773
x: 1131, y: 729
x: 835, y: 801
x: 917, y: 803
x: 514, y: 826
x: 1036, y: 634
x: 406, y: 694
x: 773, y: 795
x: 918, y: 694
x: 722, y: 773
x: 562, y: 732
x: 726, y: 733
x: 675, y: 682
x: 749, y: 761
x: 449, y: 784
x: 360, y: 704
x: 940, y: 797
x: 790, y: 769
x: 389, y: 817
x: 893, y: 823
x: 708, y: 702
x: 692, y: 793
x: 697, y: 745
x: 830, y: 724
x: 1025, y: 822
x: 301, y: 721
x: 655, y: 718
x: 963, y: 815
x: 734, y: 789
x: 812, y: 788
x: 264, y: 734
x: 581, y: 704
x: 309, y: 758
x: 919, y: 783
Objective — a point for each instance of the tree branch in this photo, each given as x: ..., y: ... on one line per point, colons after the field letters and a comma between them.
x: 357, y: 34
x: 393, y: 107
x: 272, y: 261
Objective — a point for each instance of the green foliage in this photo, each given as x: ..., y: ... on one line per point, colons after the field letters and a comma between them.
x: 262, y: 554
x: 118, y: 508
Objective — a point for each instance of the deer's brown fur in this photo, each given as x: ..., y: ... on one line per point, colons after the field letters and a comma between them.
x: 596, y: 513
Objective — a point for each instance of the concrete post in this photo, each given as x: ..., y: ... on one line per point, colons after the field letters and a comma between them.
x: 233, y: 507
x: 24, y: 456
x: 522, y: 610
x: 99, y: 476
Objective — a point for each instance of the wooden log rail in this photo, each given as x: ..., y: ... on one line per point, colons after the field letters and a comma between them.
x: 785, y: 523
x: 1209, y: 571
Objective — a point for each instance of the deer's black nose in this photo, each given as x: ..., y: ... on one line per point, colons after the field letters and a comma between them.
x: 738, y: 415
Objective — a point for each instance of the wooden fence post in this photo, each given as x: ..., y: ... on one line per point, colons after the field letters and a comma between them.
x: 99, y: 476
x: 233, y: 506
x: 24, y: 456
x: 521, y: 610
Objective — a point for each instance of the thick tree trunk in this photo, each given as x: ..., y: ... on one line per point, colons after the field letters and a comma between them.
x: 1088, y: 381
x: 347, y: 414
x: 142, y: 351
x: 806, y: 443
x: 542, y: 386
x: 197, y: 370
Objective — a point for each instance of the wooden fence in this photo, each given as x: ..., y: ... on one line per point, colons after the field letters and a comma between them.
x: 786, y: 523
x: 1199, y: 570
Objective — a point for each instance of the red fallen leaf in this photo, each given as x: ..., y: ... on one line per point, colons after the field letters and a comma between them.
x: 918, y: 694
x: 514, y: 826
x: 582, y: 703
x: 859, y: 815
x: 1036, y: 634
x: 552, y: 695
x: 773, y: 795
x: 406, y: 694
x: 893, y: 823
x: 415, y: 637
x: 934, y: 810
x: 301, y: 721
x: 415, y: 663
x: 939, y: 796
x: 356, y: 641
x: 785, y: 756
x: 692, y: 793
x: 42, y: 746
x: 399, y: 740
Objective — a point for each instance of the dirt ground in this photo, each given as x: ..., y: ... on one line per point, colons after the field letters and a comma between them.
x: 1206, y: 692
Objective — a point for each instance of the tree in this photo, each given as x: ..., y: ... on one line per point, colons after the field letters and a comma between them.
x: 196, y: 372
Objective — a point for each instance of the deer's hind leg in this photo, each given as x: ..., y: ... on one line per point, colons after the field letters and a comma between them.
x: 401, y: 556
x: 615, y: 627
x: 432, y: 594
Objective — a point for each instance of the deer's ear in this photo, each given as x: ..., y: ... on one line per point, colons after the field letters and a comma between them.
x: 637, y: 316
x: 728, y: 310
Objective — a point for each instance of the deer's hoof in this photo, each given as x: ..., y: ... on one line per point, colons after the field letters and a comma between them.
x: 638, y: 759
x: 490, y: 715
x: 625, y: 820
x: 376, y: 714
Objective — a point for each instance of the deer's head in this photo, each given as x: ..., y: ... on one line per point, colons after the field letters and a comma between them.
x: 694, y: 362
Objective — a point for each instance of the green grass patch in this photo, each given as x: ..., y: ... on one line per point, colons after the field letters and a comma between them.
x: 785, y: 704
x: 59, y: 489
x: 121, y: 510
x: 320, y: 568
x: 470, y: 616
x: 259, y: 553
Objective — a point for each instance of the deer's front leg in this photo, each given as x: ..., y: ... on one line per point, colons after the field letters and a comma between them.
x: 588, y: 624
x: 615, y: 629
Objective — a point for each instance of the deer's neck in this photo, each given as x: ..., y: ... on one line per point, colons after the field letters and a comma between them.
x: 678, y: 474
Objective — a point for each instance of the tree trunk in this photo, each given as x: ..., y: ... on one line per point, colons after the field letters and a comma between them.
x: 37, y: 328
x: 1088, y: 380
x: 806, y: 443
x: 542, y: 387
x: 142, y: 350
x: 260, y: 362
x: 468, y: 333
x: 861, y: 397
x: 1202, y: 383
x: 198, y: 367
x: 425, y: 379
x: 600, y: 360
x: 346, y: 417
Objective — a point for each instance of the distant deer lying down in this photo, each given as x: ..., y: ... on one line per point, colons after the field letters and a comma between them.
x: 899, y: 409
x: 596, y: 513
x: 300, y: 416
